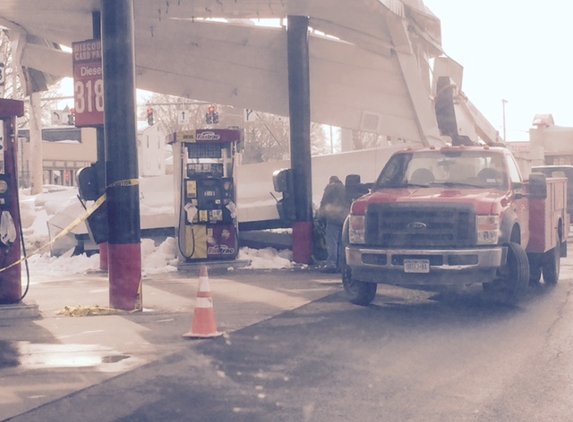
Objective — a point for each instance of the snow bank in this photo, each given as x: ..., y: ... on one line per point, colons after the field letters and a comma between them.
x: 156, y: 259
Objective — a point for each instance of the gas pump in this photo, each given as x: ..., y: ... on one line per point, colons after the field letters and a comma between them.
x: 205, y: 166
x: 10, y: 233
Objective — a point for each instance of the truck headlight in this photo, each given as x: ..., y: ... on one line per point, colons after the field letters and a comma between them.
x: 487, y: 229
x: 357, y: 229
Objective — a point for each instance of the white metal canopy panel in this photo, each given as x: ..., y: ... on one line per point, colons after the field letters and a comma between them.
x: 362, y: 74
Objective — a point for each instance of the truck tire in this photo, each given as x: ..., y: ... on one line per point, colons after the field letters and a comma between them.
x: 551, y: 265
x: 359, y: 292
x: 513, y: 278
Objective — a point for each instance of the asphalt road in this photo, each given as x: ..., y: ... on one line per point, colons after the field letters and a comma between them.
x: 409, y: 356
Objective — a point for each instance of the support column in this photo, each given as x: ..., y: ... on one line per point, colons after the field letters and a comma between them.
x: 124, y: 260
x: 299, y: 110
x: 100, y: 143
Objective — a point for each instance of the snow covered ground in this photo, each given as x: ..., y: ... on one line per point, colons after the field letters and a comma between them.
x: 37, y: 210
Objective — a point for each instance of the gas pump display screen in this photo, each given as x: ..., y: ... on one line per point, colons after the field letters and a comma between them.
x: 204, y: 170
x: 204, y: 150
x: 209, y: 193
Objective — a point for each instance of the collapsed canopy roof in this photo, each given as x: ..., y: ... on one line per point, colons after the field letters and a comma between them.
x: 369, y: 59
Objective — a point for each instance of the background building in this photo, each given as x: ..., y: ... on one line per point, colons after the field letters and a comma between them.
x: 548, y: 144
x: 66, y: 149
x: 151, y: 149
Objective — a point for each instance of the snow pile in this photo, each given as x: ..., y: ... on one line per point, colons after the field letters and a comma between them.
x: 34, y: 225
x: 35, y: 212
x: 78, y: 264
x: 157, y: 260
x: 266, y: 258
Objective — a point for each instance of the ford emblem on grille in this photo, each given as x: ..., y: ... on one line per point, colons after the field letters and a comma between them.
x: 417, y: 225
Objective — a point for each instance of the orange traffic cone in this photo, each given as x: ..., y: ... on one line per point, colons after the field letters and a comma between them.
x: 203, y: 325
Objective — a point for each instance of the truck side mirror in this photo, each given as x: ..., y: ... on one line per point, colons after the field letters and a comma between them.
x: 282, y: 181
x: 537, y: 186
x: 354, y: 188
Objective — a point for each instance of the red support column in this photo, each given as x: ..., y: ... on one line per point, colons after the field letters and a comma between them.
x: 124, y: 271
x: 302, y: 242
x: 103, y: 256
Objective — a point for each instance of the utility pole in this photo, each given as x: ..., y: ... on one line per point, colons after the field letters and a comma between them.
x: 504, y: 102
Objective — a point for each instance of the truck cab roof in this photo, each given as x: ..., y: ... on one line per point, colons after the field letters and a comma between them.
x: 474, y: 148
x: 460, y: 167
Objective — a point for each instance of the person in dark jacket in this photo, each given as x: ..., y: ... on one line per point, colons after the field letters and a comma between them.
x: 334, y: 207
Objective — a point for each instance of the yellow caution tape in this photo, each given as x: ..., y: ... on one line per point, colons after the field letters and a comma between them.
x: 82, y: 311
x: 83, y: 217
x: 77, y: 221
x: 138, y: 302
x: 63, y: 233
x: 123, y: 183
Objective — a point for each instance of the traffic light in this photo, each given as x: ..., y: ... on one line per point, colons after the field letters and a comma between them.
x: 150, y: 116
x: 212, y: 117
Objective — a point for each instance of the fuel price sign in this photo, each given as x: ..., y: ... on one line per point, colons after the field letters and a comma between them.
x: 88, y: 83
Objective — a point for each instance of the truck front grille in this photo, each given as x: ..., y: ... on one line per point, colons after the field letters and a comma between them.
x: 420, y: 225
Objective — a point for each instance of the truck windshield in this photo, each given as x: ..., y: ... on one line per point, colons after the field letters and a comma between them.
x: 458, y: 169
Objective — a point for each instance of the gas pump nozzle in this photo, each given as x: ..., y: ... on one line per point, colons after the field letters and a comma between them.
x: 191, y: 211
x: 7, y: 229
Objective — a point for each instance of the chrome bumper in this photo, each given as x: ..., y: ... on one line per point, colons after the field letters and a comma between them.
x: 446, y: 266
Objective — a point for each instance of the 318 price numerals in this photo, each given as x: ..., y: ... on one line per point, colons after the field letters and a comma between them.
x: 88, y: 96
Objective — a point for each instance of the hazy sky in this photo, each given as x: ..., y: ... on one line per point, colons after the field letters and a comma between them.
x: 517, y: 50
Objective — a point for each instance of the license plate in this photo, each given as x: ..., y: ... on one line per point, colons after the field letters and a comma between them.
x: 420, y: 266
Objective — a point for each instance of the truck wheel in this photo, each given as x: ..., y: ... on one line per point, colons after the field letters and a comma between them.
x: 515, y: 277
x: 551, y: 265
x: 358, y: 292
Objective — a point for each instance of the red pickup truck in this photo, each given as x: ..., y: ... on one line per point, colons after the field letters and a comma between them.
x: 455, y: 216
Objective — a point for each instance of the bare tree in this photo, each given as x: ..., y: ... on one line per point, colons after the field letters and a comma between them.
x: 265, y: 139
x: 363, y: 140
x: 166, y: 109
